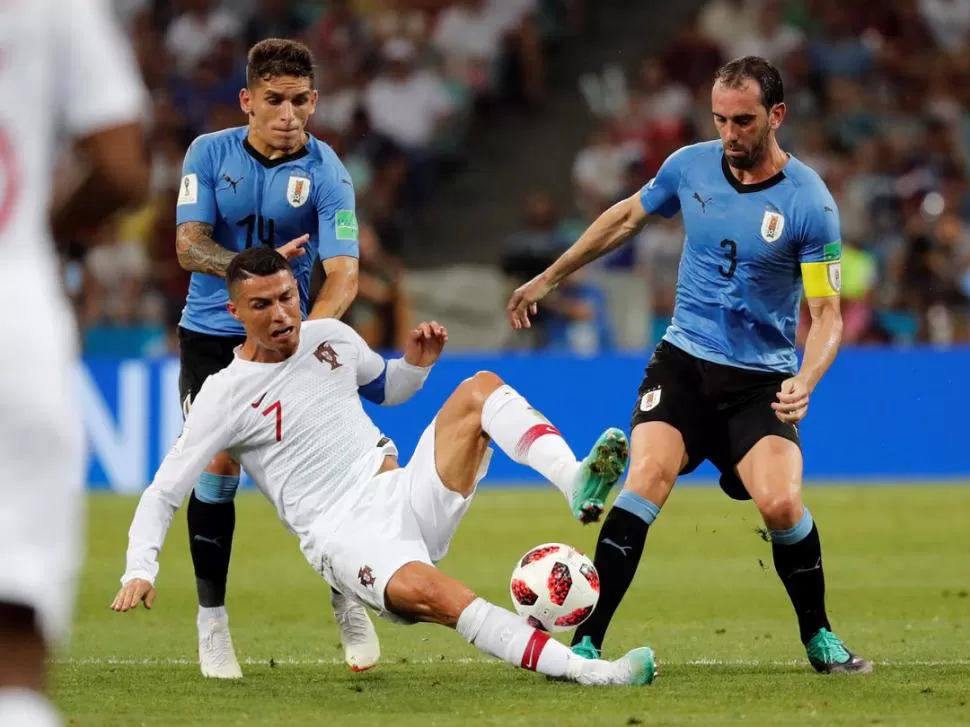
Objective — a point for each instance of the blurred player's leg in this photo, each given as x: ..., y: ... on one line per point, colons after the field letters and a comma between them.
x: 40, y: 499
x: 658, y: 455
x: 772, y: 473
x: 530, y: 439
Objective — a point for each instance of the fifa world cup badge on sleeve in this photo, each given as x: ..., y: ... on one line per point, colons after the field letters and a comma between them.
x: 345, y: 222
x: 189, y: 190
x: 298, y: 191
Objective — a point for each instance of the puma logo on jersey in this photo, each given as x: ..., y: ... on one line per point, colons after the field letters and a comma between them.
x: 702, y: 202
x: 231, y: 182
x: 326, y: 354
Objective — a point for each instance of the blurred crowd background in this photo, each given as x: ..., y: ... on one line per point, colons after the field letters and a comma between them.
x: 416, y: 96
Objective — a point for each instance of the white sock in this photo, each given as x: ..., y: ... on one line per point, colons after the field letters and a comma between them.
x: 24, y: 708
x: 215, y: 613
x: 528, y: 438
x: 509, y: 637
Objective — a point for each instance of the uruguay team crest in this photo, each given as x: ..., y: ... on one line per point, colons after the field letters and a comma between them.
x: 650, y: 400
x: 772, y: 225
x: 835, y: 275
x: 298, y: 191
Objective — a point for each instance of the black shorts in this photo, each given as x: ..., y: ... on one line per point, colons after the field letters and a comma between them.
x: 201, y: 355
x: 720, y: 411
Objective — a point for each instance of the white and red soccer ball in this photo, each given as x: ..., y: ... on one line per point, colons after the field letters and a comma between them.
x: 555, y: 587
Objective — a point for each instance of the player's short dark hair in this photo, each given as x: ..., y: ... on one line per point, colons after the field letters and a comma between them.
x: 256, y: 262
x: 734, y: 73
x: 275, y: 57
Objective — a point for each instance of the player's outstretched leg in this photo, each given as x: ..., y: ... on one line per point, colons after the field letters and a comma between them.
x: 772, y: 473
x: 530, y: 439
x: 421, y: 592
x: 211, y: 517
x: 22, y: 669
x: 657, y: 458
x: 362, y: 649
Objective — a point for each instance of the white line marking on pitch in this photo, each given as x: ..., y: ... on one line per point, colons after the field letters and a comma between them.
x: 113, y: 661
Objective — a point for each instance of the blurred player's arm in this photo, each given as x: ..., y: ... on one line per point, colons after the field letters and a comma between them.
x: 103, y: 99
x: 610, y: 230
x: 207, y: 431
x: 821, y: 265
x: 339, y: 247
x: 394, y: 381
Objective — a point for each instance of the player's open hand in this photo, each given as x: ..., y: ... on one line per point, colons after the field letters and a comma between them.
x: 132, y: 593
x: 524, y: 301
x: 294, y: 248
x: 425, y: 344
x: 792, y: 404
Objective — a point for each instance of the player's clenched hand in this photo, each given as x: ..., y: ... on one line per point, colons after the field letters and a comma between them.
x: 524, y: 299
x: 294, y: 248
x: 425, y: 344
x: 792, y: 404
x: 132, y: 593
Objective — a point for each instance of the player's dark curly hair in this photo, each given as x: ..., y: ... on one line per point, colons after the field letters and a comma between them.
x: 734, y: 73
x: 276, y: 57
x: 256, y: 262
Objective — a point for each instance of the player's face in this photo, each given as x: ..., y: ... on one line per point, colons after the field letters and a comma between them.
x: 269, y: 309
x: 744, y: 124
x: 278, y: 110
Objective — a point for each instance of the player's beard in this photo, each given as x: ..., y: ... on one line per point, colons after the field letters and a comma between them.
x: 753, y: 155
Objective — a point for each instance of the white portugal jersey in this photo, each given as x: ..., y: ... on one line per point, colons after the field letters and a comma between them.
x: 297, y: 427
x: 66, y: 71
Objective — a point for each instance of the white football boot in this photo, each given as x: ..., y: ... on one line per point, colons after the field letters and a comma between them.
x: 217, y: 658
x: 637, y: 668
x: 362, y: 649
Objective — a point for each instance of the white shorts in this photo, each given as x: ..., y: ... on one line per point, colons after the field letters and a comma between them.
x: 405, y: 515
x: 41, y: 461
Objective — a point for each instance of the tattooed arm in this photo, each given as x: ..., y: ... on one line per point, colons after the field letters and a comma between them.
x: 198, y: 252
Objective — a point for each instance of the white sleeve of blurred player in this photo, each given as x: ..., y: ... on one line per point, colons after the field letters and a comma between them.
x: 101, y: 86
x: 385, y: 382
x: 208, y: 429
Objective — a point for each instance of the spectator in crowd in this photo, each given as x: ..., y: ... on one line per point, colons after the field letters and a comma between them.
x: 192, y: 34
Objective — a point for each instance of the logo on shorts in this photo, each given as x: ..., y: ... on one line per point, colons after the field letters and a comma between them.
x: 366, y: 577
x: 650, y: 400
x: 326, y: 354
x: 298, y: 191
x: 772, y: 225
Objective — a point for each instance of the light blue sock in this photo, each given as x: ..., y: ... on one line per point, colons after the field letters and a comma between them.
x: 637, y: 505
x: 216, y: 489
x: 795, y: 534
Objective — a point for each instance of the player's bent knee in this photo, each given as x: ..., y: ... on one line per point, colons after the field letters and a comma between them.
x: 781, y: 512
x: 479, y: 387
x: 648, y: 475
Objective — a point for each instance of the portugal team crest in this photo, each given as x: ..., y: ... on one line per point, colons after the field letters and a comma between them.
x: 772, y: 225
x: 298, y: 191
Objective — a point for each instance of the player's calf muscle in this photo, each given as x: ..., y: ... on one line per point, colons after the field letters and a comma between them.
x: 22, y: 649
x: 422, y: 592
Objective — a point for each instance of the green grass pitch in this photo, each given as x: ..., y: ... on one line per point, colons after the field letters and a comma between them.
x: 706, y: 598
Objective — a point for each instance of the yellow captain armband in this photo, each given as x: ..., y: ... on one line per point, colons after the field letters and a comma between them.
x: 822, y: 280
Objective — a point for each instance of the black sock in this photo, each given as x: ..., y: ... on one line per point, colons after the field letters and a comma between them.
x: 799, y: 566
x: 618, y: 552
x: 210, y: 542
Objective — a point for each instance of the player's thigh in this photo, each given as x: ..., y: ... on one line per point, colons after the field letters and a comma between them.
x: 200, y: 356
x: 41, y: 471
x: 421, y: 592
x: 437, y: 508
x: 767, y: 458
x: 380, y: 535
x: 669, y: 424
x: 460, y: 445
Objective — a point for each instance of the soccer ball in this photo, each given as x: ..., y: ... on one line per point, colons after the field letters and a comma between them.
x: 555, y: 587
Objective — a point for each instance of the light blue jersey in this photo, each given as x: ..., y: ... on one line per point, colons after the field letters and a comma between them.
x: 252, y: 200
x: 747, y: 251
